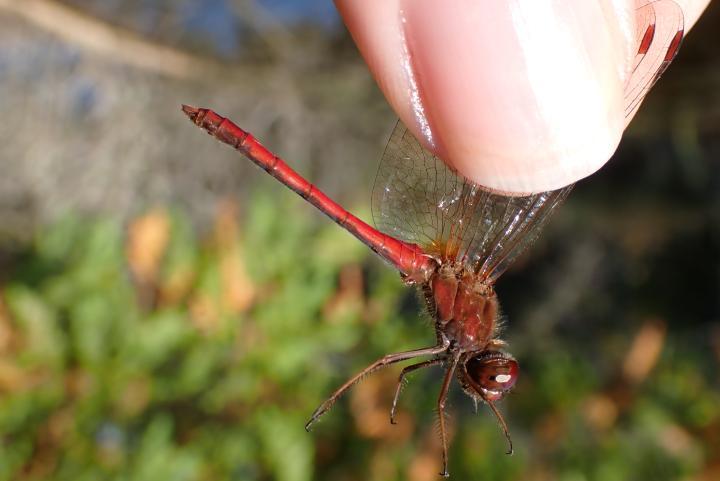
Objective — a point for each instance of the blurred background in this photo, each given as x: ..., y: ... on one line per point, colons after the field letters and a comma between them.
x: 168, y: 312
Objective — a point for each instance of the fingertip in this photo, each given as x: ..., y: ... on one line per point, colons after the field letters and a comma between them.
x: 375, y: 28
x: 530, y: 98
x: 544, y: 172
x: 519, y: 96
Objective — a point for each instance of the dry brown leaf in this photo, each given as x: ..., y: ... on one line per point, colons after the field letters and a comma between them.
x: 12, y: 377
x: 600, y: 411
x: 349, y: 295
x: 43, y: 463
x: 551, y: 429
x: 60, y: 424
x: 177, y: 286
x: 424, y: 467
x: 204, y: 314
x: 427, y: 462
x: 676, y: 440
x: 710, y: 473
x: 238, y: 291
x: 538, y: 472
x: 148, y: 237
x: 136, y: 396
x: 78, y: 383
x: 226, y: 225
x: 382, y: 463
x: 644, y: 351
x: 370, y: 404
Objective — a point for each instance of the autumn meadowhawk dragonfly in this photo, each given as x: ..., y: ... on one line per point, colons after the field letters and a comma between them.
x: 452, y: 238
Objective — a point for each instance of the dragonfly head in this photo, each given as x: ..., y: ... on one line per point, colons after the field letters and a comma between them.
x: 491, y: 374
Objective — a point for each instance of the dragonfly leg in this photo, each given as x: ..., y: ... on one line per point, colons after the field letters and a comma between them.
x: 503, y: 425
x: 401, y: 380
x: 441, y: 412
x: 382, y: 362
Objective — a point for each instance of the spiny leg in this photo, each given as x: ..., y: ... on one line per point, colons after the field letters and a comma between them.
x: 401, y: 379
x: 382, y: 362
x: 503, y: 425
x: 441, y: 411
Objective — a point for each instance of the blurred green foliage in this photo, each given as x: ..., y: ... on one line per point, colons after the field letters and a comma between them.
x: 147, y: 354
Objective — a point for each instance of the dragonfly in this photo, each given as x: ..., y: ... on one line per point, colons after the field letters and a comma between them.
x: 452, y: 238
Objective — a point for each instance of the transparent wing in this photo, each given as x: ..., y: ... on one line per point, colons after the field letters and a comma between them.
x: 516, y: 231
x: 659, y: 27
x: 418, y: 199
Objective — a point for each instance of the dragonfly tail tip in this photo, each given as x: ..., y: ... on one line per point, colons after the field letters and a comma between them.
x: 190, y: 111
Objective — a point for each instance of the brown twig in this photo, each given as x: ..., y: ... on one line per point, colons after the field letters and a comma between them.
x: 121, y: 45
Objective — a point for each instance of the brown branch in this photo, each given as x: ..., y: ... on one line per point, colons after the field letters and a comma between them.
x: 121, y: 45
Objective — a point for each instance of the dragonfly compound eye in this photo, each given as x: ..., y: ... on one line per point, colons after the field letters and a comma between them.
x: 495, y: 373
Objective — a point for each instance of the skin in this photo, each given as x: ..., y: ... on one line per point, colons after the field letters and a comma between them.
x: 518, y: 95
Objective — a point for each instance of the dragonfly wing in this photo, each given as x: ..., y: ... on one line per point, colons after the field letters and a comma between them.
x: 659, y: 33
x: 521, y: 224
x: 413, y: 192
x: 418, y: 199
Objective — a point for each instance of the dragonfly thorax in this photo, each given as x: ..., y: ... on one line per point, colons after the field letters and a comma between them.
x: 465, y: 309
x: 466, y: 314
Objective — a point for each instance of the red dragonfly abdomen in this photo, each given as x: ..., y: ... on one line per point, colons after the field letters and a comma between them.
x: 409, y: 259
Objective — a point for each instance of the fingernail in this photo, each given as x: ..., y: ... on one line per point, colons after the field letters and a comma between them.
x: 519, y: 96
